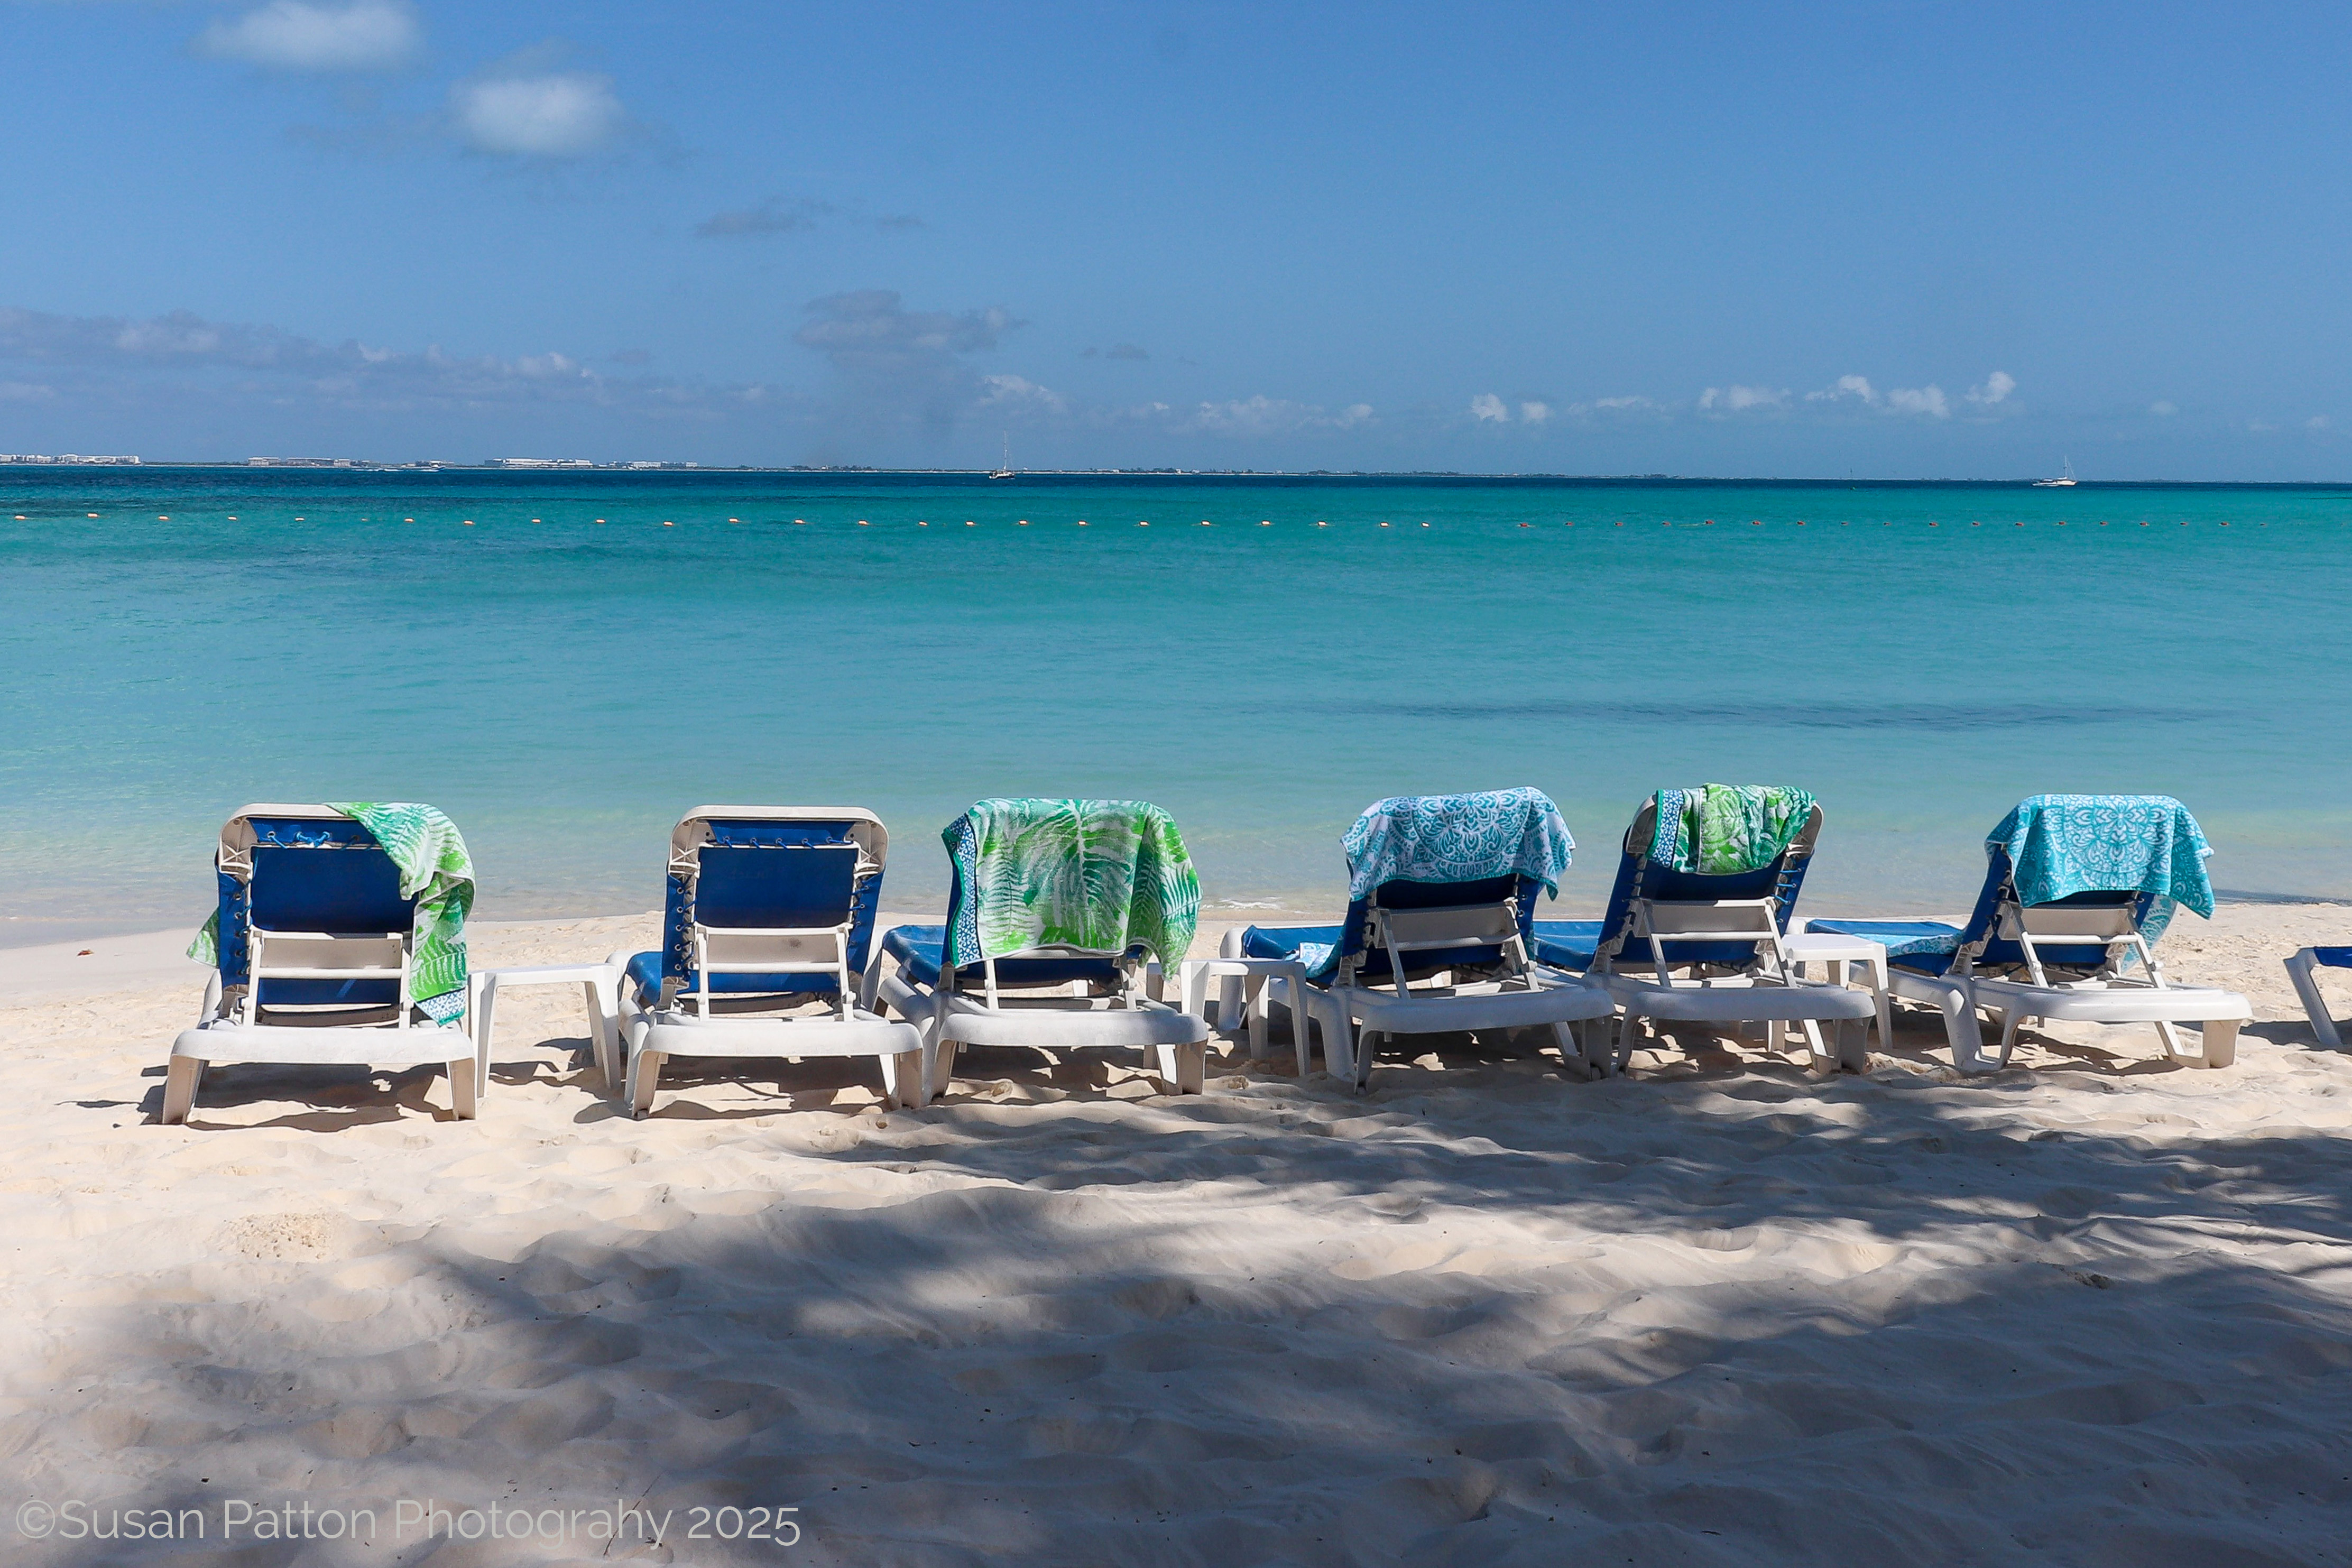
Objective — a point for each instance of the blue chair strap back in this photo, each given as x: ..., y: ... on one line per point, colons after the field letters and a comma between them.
x: 792, y: 870
x: 311, y: 874
x: 1373, y: 963
x: 1981, y: 944
x: 1638, y: 877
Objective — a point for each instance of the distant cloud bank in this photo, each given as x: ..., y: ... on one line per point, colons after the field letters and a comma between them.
x: 294, y: 36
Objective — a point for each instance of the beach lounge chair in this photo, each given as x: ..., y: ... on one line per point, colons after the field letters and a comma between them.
x: 2077, y: 889
x: 1706, y: 885
x: 769, y: 907
x: 338, y: 938
x: 1441, y: 893
x: 2304, y: 970
x: 1062, y: 916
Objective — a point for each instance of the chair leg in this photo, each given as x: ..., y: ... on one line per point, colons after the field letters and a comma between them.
x: 905, y: 1085
x: 643, y: 1072
x: 481, y: 1005
x: 941, y: 1056
x: 465, y: 1088
x: 1185, y: 1067
x: 2011, y: 1022
x: 602, y: 1011
x: 1620, y: 1059
x: 1854, y: 1044
x: 180, y: 1080
x: 2169, y: 1036
x: 1571, y: 1051
x: 2304, y: 970
x: 1962, y: 1032
x: 1254, y: 1006
x: 2220, y: 1042
x: 1881, y: 983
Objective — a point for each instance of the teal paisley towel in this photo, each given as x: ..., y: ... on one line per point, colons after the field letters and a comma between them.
x: 1458, y: 838
x: 2059, y: 845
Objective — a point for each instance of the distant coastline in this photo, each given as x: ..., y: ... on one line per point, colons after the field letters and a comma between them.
x: 671, y: 471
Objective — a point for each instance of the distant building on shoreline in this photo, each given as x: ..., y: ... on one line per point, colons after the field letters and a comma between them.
x: 123, y: 462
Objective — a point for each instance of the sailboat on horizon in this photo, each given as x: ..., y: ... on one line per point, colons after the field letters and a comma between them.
x: 2065, y: 480
x: 1004, y: 467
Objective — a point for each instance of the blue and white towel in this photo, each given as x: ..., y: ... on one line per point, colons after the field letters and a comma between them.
x: 1445, y: 838
x: 1457, y: 839
x: 2059, y: 845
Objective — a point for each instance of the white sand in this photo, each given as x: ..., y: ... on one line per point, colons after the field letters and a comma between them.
x: 2097, y: 1308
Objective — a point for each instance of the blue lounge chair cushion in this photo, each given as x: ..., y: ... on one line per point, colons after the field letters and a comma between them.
x: 1926, y: 946
x: 644, y: 973
x: 312, y: 875
x: 2332, y: 957
x: 917, y: 949
x: 763, y: 873
x: 1567, y: 944
x: 1285, y: 941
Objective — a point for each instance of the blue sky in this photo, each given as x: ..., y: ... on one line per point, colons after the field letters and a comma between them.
x: 1912, y: 240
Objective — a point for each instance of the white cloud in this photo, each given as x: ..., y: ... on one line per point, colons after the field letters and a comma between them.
x: 26, y: 392
x: 1995, y: 387
x: 1928, y: 400
x: 2317, y: 421
x: 1489, y: 408
x: 1735, y: 399
x: 1534, y: 413
x: 1263, y: 415
x: 2164, y: 408
x: 292, y: 35
x: 1017, y: 395
x: 181, y: 358
x: 896, y: 365
x: 1857, y: 386
x: 1616, y: 402
x: 566, y: 114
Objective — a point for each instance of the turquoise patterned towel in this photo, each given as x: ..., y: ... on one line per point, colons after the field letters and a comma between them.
x: 1722, y: 829
x: 1457, y: 839
x: 2060, y: 845
x: 1105, y: 875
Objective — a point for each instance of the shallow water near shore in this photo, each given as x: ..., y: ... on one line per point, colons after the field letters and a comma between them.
x: 1919, y: 656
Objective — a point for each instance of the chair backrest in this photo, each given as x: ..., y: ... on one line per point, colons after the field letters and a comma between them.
x: 740, y: 875
x: 307, y: 869
x: 1091, y: 888
x: 1989, y: 940
x: 1425, y: 927
x: 1649, y: 897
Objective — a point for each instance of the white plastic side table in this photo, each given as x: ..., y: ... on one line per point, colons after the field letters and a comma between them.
x: 1254, y: 973
x: 598, y: 982
x: 1839, y: 950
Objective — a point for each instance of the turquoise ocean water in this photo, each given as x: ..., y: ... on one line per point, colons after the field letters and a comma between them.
x: 1919, y: 656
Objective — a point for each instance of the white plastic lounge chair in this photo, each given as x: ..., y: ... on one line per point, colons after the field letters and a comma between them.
x: 2101, y: 874
x: 2304, y: 970
x: 769, y: 907
x: 1055, y: 913
x: 1714, y: 945
x: 316, y: 948
x: 1442, y: 892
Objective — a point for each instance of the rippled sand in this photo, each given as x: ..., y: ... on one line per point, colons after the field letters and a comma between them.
x: 2096, y: 1309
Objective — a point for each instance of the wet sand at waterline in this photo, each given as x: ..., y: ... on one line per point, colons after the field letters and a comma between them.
x: 2095, y: 1309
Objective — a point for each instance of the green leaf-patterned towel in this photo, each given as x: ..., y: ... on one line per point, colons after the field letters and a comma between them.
x: 1105, y: 875
x: 1721, y: 829
x: 435, y: 870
